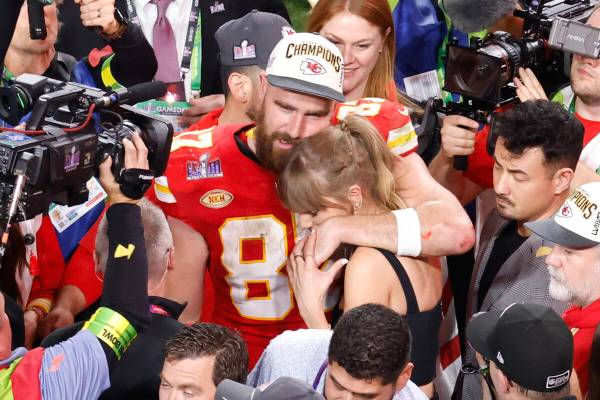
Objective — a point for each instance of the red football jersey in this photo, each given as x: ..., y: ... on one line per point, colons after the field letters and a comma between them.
x: 223, y: 193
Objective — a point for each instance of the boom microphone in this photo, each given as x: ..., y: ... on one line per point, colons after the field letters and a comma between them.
x: 134, y: 94
x: 476, y: 15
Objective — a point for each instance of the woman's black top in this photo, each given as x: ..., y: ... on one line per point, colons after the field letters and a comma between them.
x: 424, y: 327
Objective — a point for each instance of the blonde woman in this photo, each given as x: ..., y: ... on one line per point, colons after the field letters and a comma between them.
x: 343, y: 170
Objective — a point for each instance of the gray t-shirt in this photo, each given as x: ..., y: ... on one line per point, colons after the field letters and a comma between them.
x: 301, y: 354
x: 74, y: 369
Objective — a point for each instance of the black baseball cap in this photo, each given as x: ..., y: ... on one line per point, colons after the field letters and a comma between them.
x: 281, y: 388
x: 530, y: 344
x: 249, y: 40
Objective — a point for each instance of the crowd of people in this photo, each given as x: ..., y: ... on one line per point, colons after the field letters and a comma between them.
x: 300, y: 244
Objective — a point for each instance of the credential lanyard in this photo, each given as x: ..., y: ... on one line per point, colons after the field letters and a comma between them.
x: 193, y: 40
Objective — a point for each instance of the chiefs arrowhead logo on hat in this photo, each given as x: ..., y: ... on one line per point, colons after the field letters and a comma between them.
x: 565, y: 211
x: 312, y: 67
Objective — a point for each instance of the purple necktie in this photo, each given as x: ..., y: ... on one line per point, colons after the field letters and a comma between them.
x: 165, y: 49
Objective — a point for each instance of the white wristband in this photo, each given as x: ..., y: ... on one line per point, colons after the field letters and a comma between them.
x: 409, y: 232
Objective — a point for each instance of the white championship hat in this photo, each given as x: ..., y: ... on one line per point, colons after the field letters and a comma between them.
x: 577, y: 222
x: 307, y: 63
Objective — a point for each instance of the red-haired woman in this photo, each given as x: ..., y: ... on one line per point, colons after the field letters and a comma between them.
x: 363, y: 30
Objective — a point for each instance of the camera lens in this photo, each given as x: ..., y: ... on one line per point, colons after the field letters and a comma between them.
x: 14, y: 104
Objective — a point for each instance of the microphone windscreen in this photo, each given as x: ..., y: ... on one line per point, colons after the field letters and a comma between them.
x: 476, y: 15
x: 146, y: 91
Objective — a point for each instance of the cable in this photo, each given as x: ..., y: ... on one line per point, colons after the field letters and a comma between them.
x: 68, y: 130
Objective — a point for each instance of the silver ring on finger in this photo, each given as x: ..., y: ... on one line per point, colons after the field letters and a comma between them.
x: 99, y: 14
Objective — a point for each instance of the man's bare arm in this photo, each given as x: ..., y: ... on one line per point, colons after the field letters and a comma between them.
x: 445, y: 226
x: 185, y: 282
x: 443, y: 171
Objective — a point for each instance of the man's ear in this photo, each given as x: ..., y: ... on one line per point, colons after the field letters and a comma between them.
x: 96, y: 263
x: 404, y: 376
x: 562, y: 180
x: 170, y: 253
x: 240, y: 87
x: 262, y: 87
x: 501, y: 382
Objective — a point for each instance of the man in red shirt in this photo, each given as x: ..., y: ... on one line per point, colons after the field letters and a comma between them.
x: 219, y: 192
x: 574, y: 266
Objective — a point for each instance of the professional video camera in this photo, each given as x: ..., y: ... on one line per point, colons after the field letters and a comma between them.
x: 552, y: 30
x: 64, y: 141
x: 483, y: 73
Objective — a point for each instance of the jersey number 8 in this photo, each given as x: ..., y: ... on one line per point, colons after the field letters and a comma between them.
x: 264, y: 271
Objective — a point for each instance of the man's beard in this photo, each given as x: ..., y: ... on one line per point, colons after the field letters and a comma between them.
x: 561, y: 290
x: 558, y: 288
x: 505, y: 212
x: 272, y: 159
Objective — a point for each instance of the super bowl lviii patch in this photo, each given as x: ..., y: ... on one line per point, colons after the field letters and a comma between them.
x: 204, y: 168
x: 244, y: 51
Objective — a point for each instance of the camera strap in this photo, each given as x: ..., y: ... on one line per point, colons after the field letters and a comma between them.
x: 193, y: 41
x: 134, y: 182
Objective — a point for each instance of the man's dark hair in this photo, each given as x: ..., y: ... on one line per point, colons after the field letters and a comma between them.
x: 371, y: 341
x: 541, y: 124
x: 211, y: 340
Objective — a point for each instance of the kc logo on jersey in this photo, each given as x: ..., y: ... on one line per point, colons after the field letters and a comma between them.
x: 216, y: 198
x: 312, y: 67
x: 204, y: 168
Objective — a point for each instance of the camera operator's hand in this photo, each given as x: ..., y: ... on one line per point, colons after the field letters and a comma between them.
x: 458, y: 135
x: 136, y: 157
x: 528, y: 86
x: 99, y: 13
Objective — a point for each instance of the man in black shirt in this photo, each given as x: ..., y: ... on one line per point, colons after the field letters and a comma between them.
x: 537, y: 145
x: 137, y: 376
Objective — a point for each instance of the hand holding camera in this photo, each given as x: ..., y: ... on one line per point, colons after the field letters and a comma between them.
x: 134, y: 180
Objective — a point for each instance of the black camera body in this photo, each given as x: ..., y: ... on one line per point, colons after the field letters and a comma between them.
x: 552, y: 31
x: 58, y: 162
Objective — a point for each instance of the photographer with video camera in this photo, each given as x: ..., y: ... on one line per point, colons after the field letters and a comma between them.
x: 80, y: 368
x: 462, y: 136
x: 127, y: 59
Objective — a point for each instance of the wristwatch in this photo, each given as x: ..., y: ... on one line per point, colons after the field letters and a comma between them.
x: 123, y: 23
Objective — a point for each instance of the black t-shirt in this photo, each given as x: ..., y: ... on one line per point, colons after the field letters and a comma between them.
x: 505, y: 245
